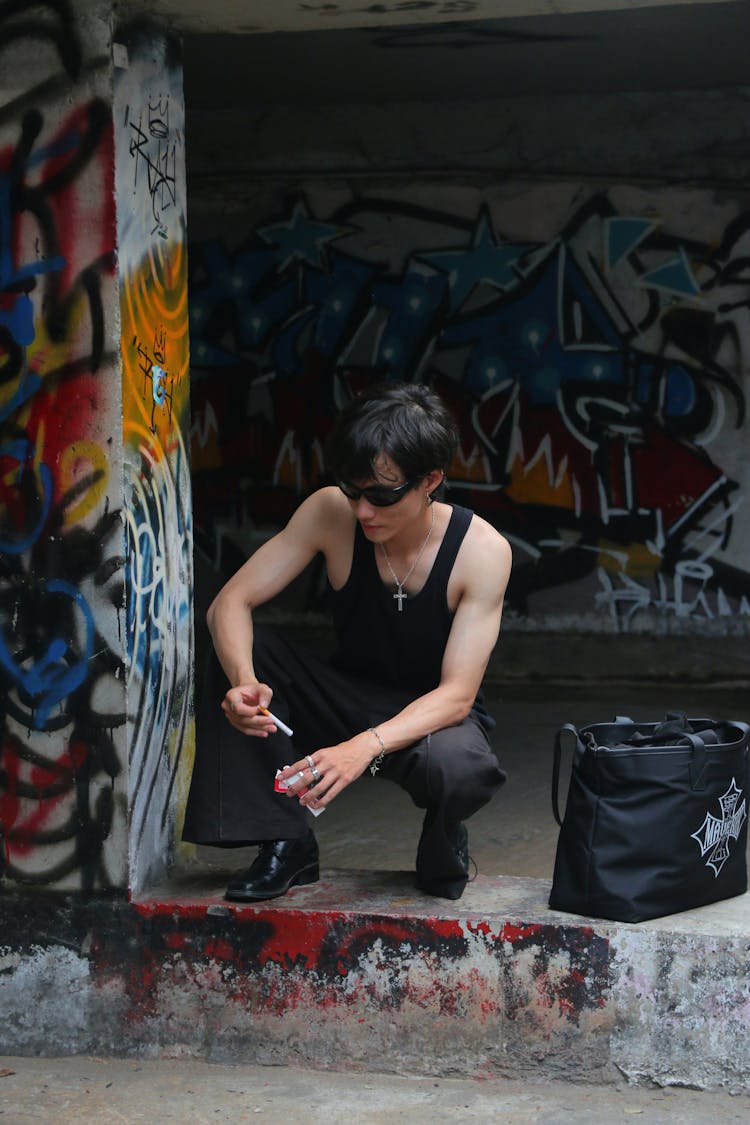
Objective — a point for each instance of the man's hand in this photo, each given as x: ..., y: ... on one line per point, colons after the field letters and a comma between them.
x: 244, y: 706
x: 328, y: 771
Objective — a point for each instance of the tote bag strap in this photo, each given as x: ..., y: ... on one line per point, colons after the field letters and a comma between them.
x: 556, y: 765
x: 698, y: 761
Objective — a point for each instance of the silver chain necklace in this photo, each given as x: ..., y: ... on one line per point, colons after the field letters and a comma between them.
x: 400, y: 596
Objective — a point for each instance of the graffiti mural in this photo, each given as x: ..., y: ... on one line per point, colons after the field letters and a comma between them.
x: 62, y: 808
x: 149, y: 124
x: 597, y: 374
x: 95, y: 619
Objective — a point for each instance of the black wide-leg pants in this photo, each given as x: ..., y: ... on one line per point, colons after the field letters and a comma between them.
x: 450, y: 774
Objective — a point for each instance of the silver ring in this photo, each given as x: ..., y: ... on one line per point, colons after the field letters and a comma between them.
x: 315, y: 772
x: 310, y: 762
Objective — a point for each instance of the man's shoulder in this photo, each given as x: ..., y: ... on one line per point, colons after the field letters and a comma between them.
x: 326, y: 514
x: 487, y: 553
x: 323, y: 496
x: 327, y: 499
x: 483, y: 532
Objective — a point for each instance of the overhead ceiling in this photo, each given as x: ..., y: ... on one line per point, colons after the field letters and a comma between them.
x: 255, y: 53
x: 670, y: 47
x: 247, y: 17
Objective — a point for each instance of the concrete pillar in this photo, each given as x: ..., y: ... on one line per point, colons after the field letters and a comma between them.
x: 149, y: 132
x: 95, y: 507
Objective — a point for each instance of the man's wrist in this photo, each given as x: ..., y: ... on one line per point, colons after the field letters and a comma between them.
x: 245, y: 677
x: 380, y: 752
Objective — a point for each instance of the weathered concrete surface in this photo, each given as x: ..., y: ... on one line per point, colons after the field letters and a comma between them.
x: 362, y: 971
x: 682, y: 1003
x: 631, y: 661
x: 67, y: 1091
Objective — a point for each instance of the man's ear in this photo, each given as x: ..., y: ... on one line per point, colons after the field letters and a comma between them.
x: 433, y: 481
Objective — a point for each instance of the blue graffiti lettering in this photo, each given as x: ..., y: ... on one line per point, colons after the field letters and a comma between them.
x: 54, y: 676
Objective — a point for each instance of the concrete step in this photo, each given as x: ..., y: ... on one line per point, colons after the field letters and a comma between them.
x: 361, y: 971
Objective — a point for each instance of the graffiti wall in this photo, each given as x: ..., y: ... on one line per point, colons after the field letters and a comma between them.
x: 594, y: 345
x: 95, y: 531
x: 63, y: 806
x: 151, y: 198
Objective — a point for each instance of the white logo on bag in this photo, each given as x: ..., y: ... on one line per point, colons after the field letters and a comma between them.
x: 716, y: 833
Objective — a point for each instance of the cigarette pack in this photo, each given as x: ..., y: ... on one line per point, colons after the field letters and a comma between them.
x: 281, y: 786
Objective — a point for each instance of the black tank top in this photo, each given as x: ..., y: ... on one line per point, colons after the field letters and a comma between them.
x: 377, y: 642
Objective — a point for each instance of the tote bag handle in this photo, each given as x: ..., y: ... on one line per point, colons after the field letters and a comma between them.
x: 698, y: 760
x: 556, y: 765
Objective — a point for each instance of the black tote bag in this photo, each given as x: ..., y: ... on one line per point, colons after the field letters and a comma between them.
x: 655, y: 819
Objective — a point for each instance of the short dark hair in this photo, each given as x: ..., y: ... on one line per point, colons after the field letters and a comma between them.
x: 408, y: 422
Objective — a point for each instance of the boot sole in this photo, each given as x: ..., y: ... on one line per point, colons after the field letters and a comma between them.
x: 303, y: 878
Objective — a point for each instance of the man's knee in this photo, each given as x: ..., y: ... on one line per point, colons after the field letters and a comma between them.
x: 457, y: 770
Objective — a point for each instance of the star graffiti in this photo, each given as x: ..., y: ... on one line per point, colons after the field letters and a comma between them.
x: 484, y: 261
x: 302, y: 238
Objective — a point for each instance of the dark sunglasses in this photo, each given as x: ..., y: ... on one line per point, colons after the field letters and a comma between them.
x: 377, y: 494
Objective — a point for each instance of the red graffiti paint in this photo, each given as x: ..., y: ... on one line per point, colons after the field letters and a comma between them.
x: 218, y: 948
x: 515, y: 933
x: 178, y: 941
x: 50, y: 781
x: 184, y: 911
x: 84, y: 140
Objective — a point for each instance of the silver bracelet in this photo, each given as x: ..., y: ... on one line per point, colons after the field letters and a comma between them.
x: 376, y: 763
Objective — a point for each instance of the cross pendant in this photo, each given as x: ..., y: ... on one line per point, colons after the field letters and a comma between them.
x: 401, y: 597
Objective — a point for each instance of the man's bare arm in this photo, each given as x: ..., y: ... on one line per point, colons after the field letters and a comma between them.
x: 269, y: 571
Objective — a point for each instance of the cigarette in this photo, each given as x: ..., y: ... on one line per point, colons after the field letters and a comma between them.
x: 279, y: 724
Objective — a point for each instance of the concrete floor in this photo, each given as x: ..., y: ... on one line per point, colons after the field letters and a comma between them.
x: 68, y: 1091
x: 374, y: 826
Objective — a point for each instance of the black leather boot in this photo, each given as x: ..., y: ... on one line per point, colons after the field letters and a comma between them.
x: 279, y: 865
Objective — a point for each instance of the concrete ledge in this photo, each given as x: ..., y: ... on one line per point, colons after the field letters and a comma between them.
x: 569, y: 658
x: 585, y: 660
x: 361, y: 971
